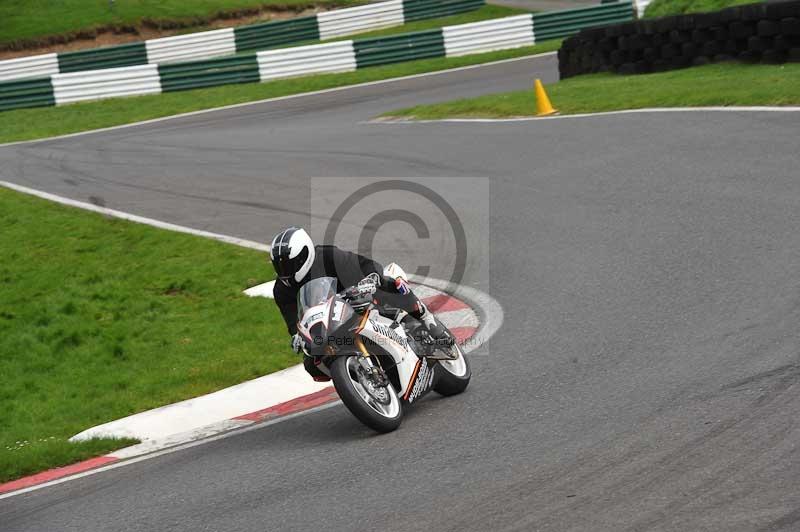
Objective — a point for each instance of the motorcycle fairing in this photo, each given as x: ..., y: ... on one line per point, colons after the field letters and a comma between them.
x: 415, y: 374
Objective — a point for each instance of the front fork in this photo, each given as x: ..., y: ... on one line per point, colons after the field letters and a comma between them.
x: 371, y: 370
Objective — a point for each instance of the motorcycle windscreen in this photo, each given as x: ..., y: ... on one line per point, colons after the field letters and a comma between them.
x: 315, y: 292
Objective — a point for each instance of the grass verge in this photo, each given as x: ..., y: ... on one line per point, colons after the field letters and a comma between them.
x: 663, y: 8
x: 722, y: 84
x: 27, y: 124
x: 29, y: 21
x: 188, y: 17
x: 101, y: 318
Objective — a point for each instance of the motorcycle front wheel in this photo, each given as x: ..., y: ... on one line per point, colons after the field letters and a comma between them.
x: 378, y: 408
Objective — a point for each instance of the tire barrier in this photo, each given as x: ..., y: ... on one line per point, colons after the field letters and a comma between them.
x: 766, y: 33
x: 559, y: 24
x: 26, y: 93
x: 305, y: 60
x: 228, y: 41
x: 423, y: 9
x: 271, y: 34
x: 399, y: 48
x: 208, y: 73
x: 108, y: 83
x: 489, y: 35
x: 340, y: 56
x: 29, y: 67
x: 108, y: 57
x: 360, y: 19
x: 192, y: 46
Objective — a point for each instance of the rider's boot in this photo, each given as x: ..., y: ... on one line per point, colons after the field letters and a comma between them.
x: 311, y: 367
x: 437, y: 333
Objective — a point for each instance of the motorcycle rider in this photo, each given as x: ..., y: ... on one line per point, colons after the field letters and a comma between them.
x: 297, y: 261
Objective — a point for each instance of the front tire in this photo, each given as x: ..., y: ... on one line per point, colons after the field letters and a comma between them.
x: 372, y: 413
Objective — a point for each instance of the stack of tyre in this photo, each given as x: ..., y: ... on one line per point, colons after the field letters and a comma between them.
x: 763, y: 32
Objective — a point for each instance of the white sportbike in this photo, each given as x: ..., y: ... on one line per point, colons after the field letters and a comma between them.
x: 380, y: 359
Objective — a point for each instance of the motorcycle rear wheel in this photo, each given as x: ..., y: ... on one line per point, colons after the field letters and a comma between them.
x: 453, y: 376
x: 372, y: 413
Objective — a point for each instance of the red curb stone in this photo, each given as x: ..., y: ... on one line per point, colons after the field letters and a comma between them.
x: 59, y: 472
x: 444, y: 303
x: 295, y: 405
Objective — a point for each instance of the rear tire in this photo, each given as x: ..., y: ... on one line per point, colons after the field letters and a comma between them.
x: 453, y: 376
x: 346, y: 383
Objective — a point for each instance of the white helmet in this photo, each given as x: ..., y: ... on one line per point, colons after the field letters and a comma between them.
x: 292, y: 254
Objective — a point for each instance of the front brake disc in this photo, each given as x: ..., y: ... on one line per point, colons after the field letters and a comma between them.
x: 378, y: 391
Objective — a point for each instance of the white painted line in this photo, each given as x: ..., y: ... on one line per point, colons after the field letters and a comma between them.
x: 135, y: 218
x: 280, y: 98
x: 728, y: 109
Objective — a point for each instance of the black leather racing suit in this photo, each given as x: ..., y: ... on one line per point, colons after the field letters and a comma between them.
x: 348, y: 268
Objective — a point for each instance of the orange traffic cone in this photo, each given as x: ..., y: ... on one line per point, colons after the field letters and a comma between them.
x: 543, y: 106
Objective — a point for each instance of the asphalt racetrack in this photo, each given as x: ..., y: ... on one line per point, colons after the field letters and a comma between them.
x: 645, y: 378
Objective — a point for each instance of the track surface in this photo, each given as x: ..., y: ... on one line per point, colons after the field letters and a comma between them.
x: 647, y: 374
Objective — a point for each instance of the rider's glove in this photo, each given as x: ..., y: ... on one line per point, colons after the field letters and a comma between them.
x: 297, y: 343
x: 369, y: 284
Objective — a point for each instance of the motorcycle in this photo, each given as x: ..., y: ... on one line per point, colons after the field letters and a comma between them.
x: 380, y: 359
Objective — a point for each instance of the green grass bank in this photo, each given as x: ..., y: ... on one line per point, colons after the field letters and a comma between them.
x: 663, y: 8
x: 31, y: 21
x: 102, y: 318
x: 725, y: 84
